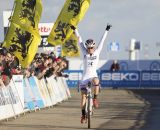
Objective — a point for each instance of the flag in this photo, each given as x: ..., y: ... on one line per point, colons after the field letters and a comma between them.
x: 71, y: 14
x: 22, y: 43
x: 27, y: 14
x: 22, y: 38
x: 70, y: 47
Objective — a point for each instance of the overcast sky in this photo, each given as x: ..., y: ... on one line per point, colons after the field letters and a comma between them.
x: 137, y: 19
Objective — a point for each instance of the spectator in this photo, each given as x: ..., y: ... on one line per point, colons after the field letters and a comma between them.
x: 16, y: 70
x: 115, y: 66
x: 43, y: 65
x: 43, y: 69
x: 6, y: 73
x: 1, y: 82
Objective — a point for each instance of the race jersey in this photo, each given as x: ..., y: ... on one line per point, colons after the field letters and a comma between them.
x: 90, y: 61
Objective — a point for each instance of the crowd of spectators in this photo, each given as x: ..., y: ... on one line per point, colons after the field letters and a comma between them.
x: 43, y: 65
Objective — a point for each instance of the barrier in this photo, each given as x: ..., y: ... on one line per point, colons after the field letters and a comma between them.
x: 45, y: 92
x: 29, y: 98
x: 137, y: 79
x: 23, y: 94
x: 15, y: 98
x: 56, y: 88
x: 36, y: 93
x: 18, y: 82
x: 120, y: 79
x: 66, y: 87
x: 6, y: 108
x: 51, y: 91
x: 126, y: 79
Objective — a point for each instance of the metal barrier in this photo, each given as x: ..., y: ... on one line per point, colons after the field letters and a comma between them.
x: 28, y: 94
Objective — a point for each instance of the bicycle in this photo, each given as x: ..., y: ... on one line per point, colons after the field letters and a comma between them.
x: 89, y: 107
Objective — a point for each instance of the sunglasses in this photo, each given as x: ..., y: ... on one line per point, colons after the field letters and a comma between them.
x: 90, y: 48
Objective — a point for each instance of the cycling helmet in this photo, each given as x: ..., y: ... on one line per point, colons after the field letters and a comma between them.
x: 90, y: 43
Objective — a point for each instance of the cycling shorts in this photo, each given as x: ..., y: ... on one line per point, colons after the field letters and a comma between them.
x: 83, y: 84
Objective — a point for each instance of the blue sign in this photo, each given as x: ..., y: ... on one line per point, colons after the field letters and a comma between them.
x: 114, y: 46
x: 74, y: 77
x: 130, y: 79
x: 127, y: 79
x: 150, y: 79
x: 120, y: 79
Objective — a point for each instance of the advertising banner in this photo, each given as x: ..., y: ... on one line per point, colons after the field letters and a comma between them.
x: 29, y: 99
x: 44, y: 30
x: 150, y: 79
x: 120, y: 79
x: 61, y: 88
x: 6, y: 108
x: 51, y: 90
x: 66, y: 87
x: 44, y: 92
x: 18, y: 83
x: 74, y: 77
x: 127, y: 79
x: 135, y: 79
x: 36, y: 93
x: 15, y: 98
x: 55, y: 86
x: 30, y: 93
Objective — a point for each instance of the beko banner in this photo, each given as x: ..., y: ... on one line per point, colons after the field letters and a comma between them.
x: 130, y: 78
x: 120, y: 79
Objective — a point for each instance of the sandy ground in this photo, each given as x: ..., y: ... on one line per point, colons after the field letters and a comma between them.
x: 119, y: 110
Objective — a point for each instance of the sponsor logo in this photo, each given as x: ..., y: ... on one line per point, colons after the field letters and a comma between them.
x: 145, y: 76
x: 151, y: 76
x: 75, y: 76
x: 120, y: 76
x: 45, y: 28
x: 92, y: 58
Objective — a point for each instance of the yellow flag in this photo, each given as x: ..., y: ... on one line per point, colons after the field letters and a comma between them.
x: 27, y: 14
x: 71, y: 14
x: 70, y: 47
x: 23, y: 38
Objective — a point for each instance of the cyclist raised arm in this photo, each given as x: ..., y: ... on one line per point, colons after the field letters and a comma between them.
x: 90, y: 62
x: 80, y: 42
x: 100, y: 46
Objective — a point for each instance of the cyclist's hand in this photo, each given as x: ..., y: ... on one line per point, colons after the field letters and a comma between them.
x: 108, y: 27
x: 72, y: 27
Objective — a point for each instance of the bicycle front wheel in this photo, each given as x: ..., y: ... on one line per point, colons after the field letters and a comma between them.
x: 88, y: 113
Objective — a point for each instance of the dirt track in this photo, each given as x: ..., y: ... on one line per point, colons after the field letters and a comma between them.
x: 119, y: 110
